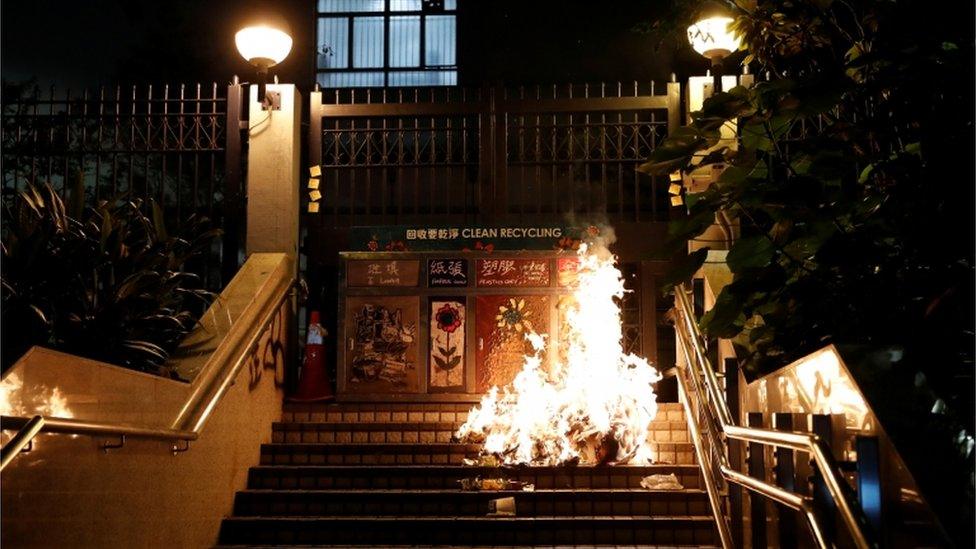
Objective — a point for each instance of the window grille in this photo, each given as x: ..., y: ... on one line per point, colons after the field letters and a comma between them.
x: 386, y: 43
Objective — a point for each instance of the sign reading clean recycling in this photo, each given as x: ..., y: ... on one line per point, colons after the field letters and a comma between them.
x: 404, y: 238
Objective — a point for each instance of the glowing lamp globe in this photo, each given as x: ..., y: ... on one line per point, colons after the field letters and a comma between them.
x: 712, y: 37
x: 263, y: 46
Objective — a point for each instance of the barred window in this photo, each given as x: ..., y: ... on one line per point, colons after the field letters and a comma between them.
x: 377, y: 43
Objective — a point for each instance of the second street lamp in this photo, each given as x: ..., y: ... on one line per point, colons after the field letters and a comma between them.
x: 264, y: 44
x: 711, y: 37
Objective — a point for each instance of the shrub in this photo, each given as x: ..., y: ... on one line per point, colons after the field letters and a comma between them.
x: 105, y: 282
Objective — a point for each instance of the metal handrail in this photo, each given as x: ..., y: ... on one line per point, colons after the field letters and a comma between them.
x: 235, y: 350
x: 698, y: 372
x: 20, y: 441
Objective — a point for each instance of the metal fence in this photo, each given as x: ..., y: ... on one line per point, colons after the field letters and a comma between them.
x: 459, y: 155
x: 177, y: 145
x: 452, y: 156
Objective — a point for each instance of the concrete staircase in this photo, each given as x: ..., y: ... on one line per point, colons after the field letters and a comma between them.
x: 387, y: 474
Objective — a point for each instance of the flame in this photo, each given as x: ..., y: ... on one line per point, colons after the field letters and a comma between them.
x: 16, y: 401
x: 593, y: 391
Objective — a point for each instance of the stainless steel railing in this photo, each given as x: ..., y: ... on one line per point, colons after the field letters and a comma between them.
x: 712, y: 427
x: 231, y: 355
x: 20, y: 441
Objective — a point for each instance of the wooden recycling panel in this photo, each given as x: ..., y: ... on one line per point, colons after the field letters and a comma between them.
x: 503, y: 321
x: 382, y: 356
x: 443, y: 325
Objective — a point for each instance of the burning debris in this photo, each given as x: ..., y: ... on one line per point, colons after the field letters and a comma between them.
x: 478, y: 484
x: 593, y: 405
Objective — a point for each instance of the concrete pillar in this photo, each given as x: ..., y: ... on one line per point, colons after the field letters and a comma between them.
x: 274, y: 173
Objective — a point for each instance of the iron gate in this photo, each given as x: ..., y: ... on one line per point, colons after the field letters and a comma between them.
x: 178, y: 145
x: 559, y: 154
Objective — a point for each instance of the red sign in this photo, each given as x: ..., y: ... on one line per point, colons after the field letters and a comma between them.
x: 567, y: 270
x: 509, y: 273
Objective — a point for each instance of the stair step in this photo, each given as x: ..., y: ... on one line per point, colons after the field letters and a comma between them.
x: 416, y: 546
x: 376, y: 412
x: 366, y: 453
x: 364, y: 432
x: 469, y: 530
x: 407, y: 412
x: 627, y: 502
x: 419, y: 453
x: 412, y: 432
x: 447, y: 476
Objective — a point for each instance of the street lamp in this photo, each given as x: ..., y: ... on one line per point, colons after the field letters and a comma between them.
x: 264, y: 44
x: 711, y: 37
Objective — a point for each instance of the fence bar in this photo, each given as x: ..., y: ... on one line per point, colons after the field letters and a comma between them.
x: 137, y: 143
x: 757, y: 469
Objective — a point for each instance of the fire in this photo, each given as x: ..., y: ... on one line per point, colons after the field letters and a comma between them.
x: 593, y: 397
x: 39, y: 400
x: 15, y: 401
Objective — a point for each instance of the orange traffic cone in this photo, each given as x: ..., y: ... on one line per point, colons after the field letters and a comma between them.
x: 314, y: 381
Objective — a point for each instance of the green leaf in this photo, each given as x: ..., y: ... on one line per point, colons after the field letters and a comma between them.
x: 751, y: 252
x: 106, y: 230
x: 675, y: 151
x: 724, y: 319
x: 40, y: 314
x: 76, y: 200
x: 691, y: 226
x: 158, y: 223
x: 865, y: 174
x: 683, y: 269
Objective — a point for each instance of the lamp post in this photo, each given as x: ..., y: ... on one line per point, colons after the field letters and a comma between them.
x: 264, y: 44
x: 712, y: 38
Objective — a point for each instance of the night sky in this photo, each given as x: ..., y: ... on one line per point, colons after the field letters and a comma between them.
x: 91, y: 42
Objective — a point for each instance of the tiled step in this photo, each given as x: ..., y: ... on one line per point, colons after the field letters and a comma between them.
x: 395, y: 432
x: 417, y: 546
x: 402, y: 412
x: 364, y: 432
x: 469, y: 530
x: 419, y: 453
x: 383, y: 412
x: 369, y: 477
x: 366, y: 453
x: 457, y: 503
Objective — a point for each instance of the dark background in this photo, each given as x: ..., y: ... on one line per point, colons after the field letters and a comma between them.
x: 92, y: 42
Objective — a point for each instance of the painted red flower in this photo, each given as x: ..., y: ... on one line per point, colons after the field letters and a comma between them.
x: 373, y: 245
x: 448, y: 318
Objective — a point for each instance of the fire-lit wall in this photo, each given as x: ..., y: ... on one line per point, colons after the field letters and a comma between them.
x: 68, y: 492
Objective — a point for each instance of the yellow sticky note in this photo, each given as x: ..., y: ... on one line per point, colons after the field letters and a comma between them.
x: 313, y: 183
x: 314, y: 195
x: 313, y: 207
x: 675, y: 176
x: 315, y: 171
x: 677, y: 201
x: 674, y: 189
